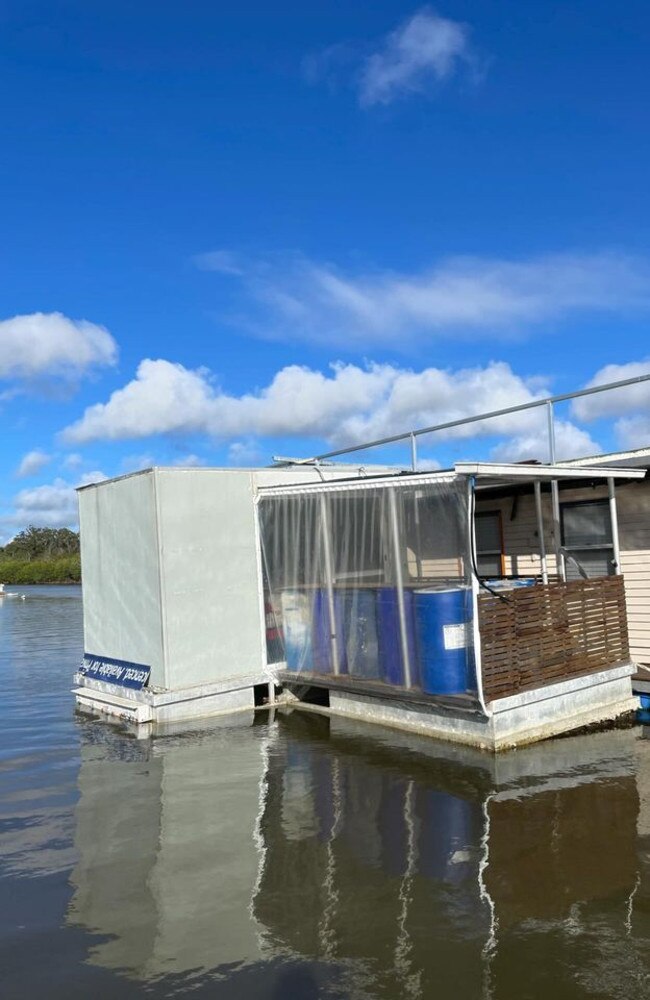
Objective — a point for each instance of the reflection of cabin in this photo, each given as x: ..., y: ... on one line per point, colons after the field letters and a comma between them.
x: 159, y: 836
x: 380, y: 592
x: 445, y: 867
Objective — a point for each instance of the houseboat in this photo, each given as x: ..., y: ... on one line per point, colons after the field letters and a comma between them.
x: 387, y: 601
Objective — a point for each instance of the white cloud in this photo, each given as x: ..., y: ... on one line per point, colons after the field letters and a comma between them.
x: 294, y: 298
x: 72, y: 461
x: 164, y: 398
x: 42, y: 345
x: 221, y: 261
x: 630, y: 403
x: 51, y: 505
x: 424, y: 50
x: 246, y: 452
x: 570, y: 442
x: 347, y: 405
x: 616, y: 402
x: 135, y: 463
x: 428, y: 465
x: 633, y: 432
x: 190, y: 461
x: 31, y: 463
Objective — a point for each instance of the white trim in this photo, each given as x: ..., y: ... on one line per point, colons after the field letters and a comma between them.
x: 543, y: 473
x: 399, y: 480
x: 486, y: 470
x: 260, y: 594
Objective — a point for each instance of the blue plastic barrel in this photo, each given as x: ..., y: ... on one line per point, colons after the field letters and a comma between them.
x: 389, y: 636
x: 322, y: 659
x: 443, y: 633
x: 360, y: 630
x: 297, y: 627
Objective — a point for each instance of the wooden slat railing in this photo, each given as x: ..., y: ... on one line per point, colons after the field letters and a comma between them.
x: 545, y: 634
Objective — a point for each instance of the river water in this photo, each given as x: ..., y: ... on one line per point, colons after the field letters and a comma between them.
x: 293, y: 856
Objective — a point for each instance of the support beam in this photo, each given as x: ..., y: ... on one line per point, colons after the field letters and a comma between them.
x: 613, y: 513
x: 399, y: 584
x: 475, y: 587
x: 414, y: 453
x: 329, y: 580
x: 540, y: 530
x: 555, y: 495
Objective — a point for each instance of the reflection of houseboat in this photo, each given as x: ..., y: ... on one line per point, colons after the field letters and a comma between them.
x: 405, y: 866
x: 375, y: 583
x: 158, y: 837
x: 446, y: 870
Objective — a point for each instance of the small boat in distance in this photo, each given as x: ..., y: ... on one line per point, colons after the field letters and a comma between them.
x: 9, y: 593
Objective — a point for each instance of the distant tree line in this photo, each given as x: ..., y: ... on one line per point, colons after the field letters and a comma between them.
x: 41, y: 555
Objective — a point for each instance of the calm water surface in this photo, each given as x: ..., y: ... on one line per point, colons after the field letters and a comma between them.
x: 298, y: 857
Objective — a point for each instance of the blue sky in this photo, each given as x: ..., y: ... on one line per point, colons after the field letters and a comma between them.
x: 231, y: 232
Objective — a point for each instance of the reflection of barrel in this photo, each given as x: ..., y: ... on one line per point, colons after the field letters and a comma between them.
x: 442, y: 626
x: 362, y: 791
x: 395, y: 823
x: 446, y: 832
x: 322, y: 659
x: 296, y: 618
x: 360, y: 618
x: 390, y: 640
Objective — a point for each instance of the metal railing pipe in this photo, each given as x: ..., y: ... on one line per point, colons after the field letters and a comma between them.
x: 461, y: 421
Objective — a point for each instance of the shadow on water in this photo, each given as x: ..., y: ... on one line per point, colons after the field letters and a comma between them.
x: 298, y: 856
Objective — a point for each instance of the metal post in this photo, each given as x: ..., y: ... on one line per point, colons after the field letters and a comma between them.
x: 329, y: 576
x: 540, y: 530
x: 399, y: 583
x: 613, y: 513
x: 414, y: 453
x: 555, y: 495
x: 476, y: 632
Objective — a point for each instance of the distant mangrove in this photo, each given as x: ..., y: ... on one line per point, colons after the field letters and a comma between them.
x: 41, y: 555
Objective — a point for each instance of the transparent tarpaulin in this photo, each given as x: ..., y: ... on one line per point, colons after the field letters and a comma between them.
x: 372, y: 584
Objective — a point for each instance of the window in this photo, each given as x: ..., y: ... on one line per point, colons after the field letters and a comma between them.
x: 587, y: 535
x: 489, y: 544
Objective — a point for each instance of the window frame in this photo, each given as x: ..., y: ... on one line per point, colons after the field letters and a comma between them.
x: 498, y: 513
x: 606, y: 547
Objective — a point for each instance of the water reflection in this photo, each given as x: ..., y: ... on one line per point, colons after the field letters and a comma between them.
x: 296, y: 856
x: 412, y: 870
x: 167, y: 860
x: 449, y: 873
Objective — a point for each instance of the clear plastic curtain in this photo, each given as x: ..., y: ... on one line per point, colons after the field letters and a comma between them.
x: 372, y: 584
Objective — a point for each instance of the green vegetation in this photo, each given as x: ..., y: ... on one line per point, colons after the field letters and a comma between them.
x: 41, y: 555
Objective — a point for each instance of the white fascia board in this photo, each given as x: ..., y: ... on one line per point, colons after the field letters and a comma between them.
x: 400, y: 481
x: 543, y: 473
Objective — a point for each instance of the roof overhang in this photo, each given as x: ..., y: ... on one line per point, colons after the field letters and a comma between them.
x: 511, y: 473
x: 486, y: 474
